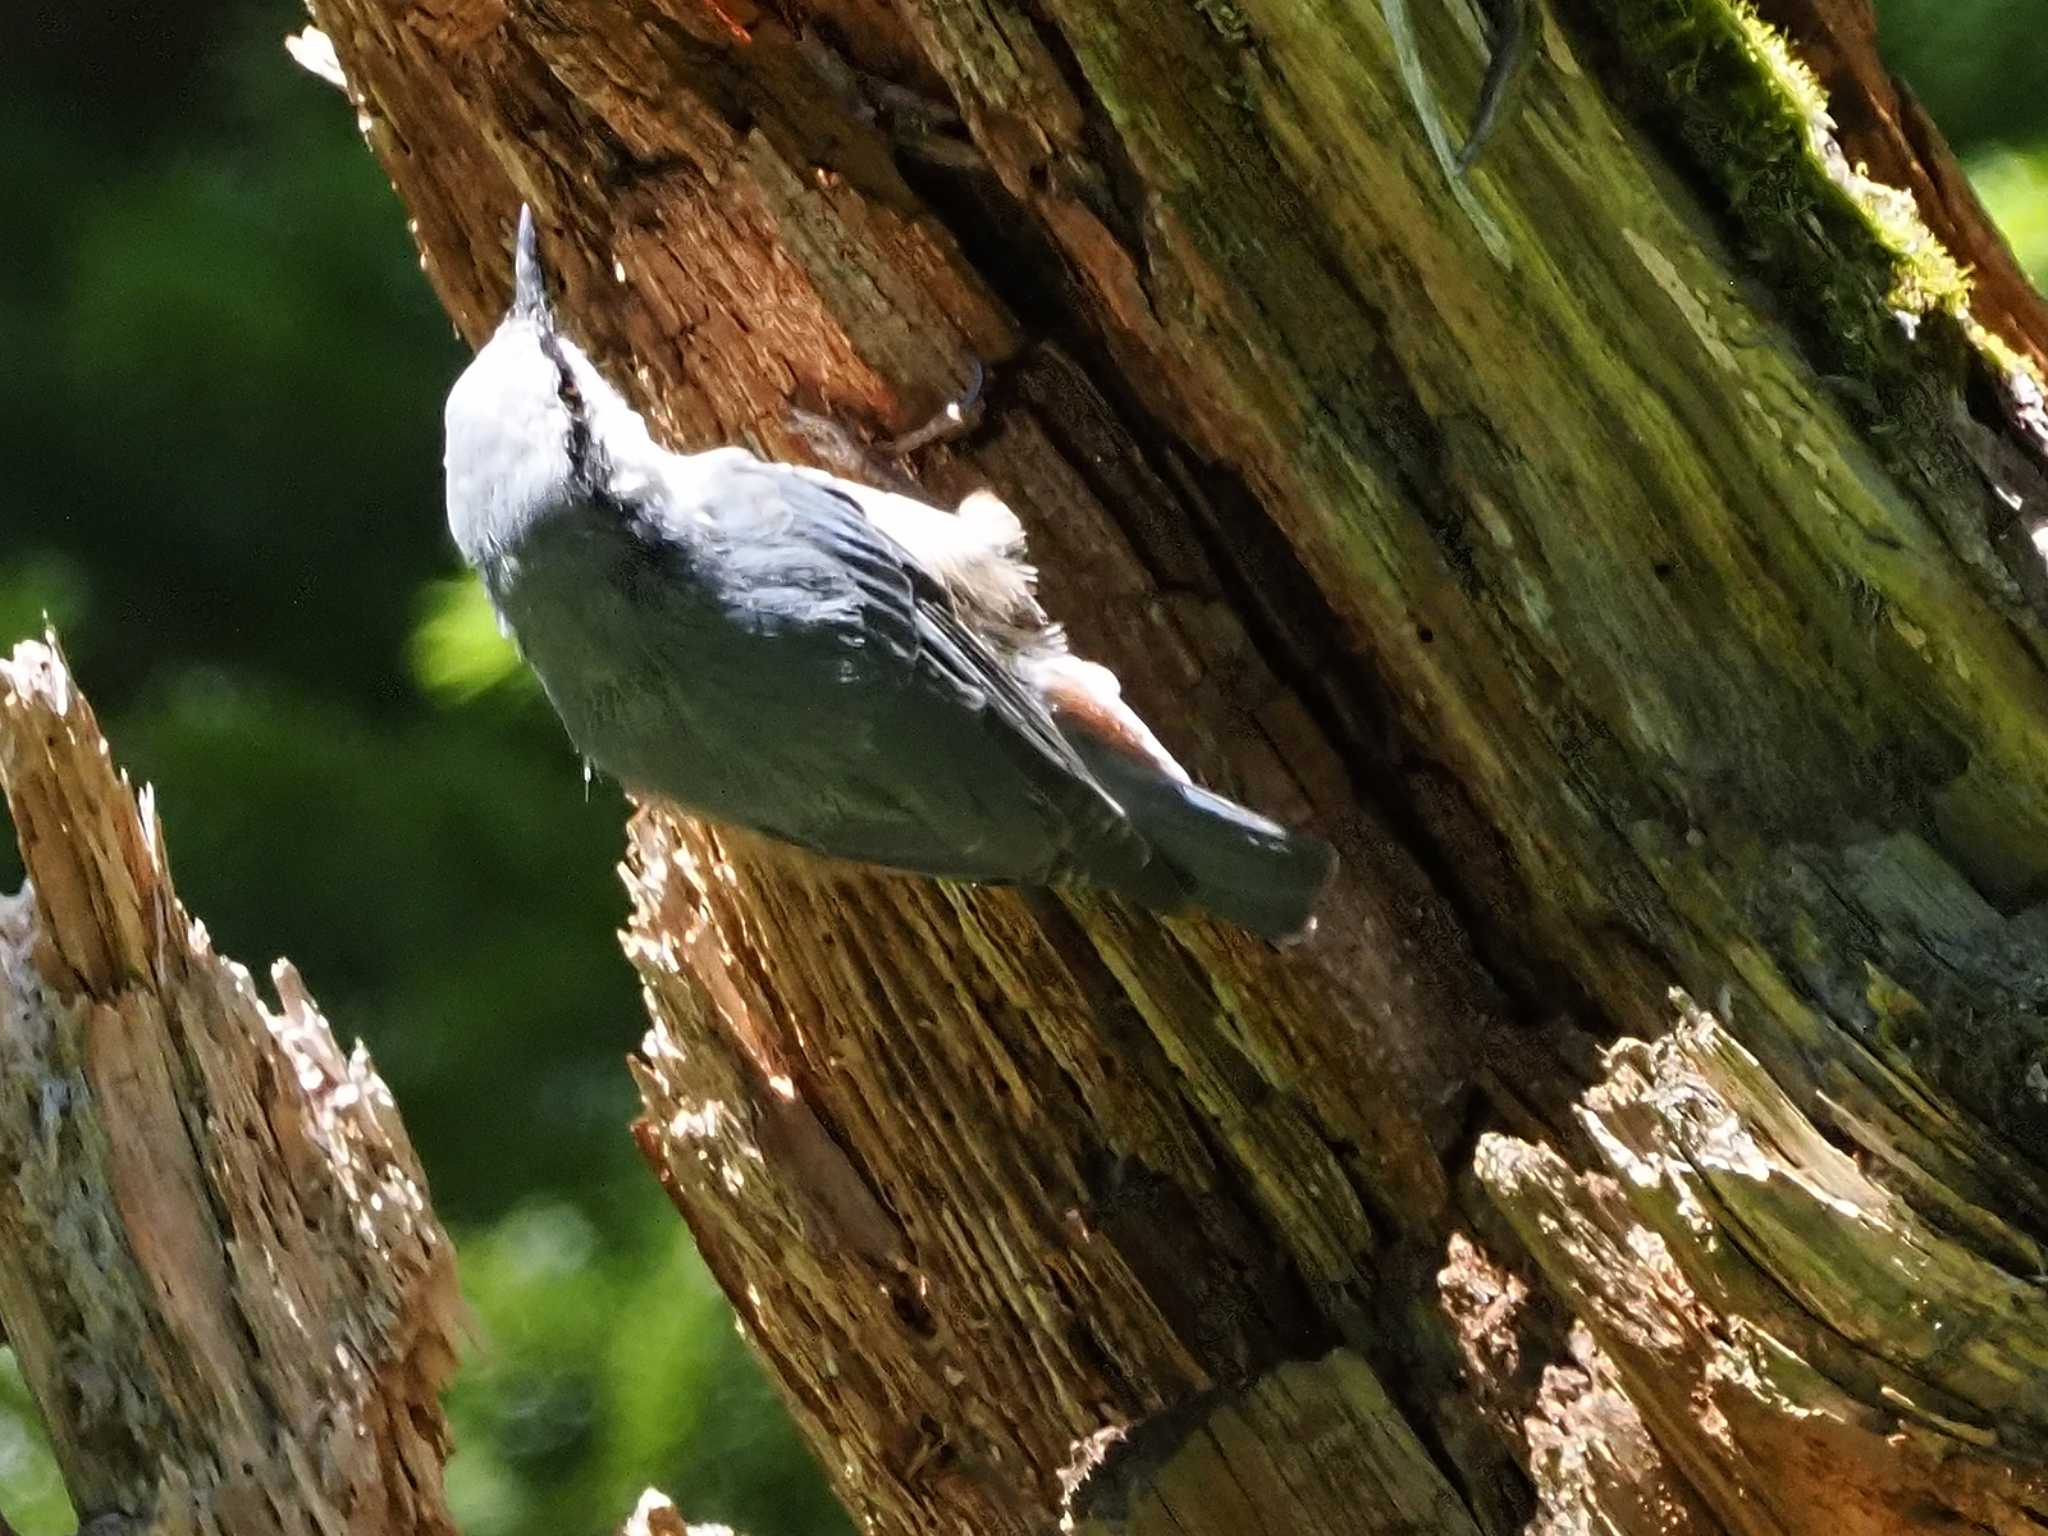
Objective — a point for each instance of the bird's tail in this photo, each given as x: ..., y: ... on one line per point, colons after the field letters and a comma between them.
x: 1230, y: 862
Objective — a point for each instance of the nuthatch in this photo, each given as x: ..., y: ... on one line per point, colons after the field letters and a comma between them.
x: 819, y: 662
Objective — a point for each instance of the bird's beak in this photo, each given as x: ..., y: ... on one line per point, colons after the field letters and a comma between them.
x: 529, y: 281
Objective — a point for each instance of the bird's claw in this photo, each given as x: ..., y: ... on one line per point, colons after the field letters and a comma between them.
x: 956, y: 420
x: 841, y: 452
x: 1512, y: 34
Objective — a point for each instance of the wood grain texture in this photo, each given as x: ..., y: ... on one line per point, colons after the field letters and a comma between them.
x: 1630, y: 609
x: 979, y: 1206
x: 1808, y: 1347
x: 218, y: 1267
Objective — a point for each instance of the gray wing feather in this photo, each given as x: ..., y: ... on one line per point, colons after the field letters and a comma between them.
x: 798, y: 543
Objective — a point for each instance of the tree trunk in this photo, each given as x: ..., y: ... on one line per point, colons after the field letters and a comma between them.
x: 1626, y: 552
x: 218, y: 1268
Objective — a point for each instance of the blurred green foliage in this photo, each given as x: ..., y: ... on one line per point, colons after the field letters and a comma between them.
x: 222, y: 418
x: 1981, y: 69
x: 2014, y: 186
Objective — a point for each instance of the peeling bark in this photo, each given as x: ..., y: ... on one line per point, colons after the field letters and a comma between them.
x: 1806, y: 1345
x: 1630, y: 614
x: 218, y: 1268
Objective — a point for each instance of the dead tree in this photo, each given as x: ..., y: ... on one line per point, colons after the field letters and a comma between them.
x: 219, y: 1271
x: 1625, y: 549
x: 219, y: 1267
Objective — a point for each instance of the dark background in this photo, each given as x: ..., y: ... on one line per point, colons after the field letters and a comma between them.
x: 219, y: 474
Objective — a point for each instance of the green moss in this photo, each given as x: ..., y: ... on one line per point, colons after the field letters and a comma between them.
x: 1852, y: 254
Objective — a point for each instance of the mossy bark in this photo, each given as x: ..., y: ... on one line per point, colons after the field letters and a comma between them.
x: 1587, y: 545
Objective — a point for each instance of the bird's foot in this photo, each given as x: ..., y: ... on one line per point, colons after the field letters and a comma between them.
x: 840, y: 451
x: 956, y: 420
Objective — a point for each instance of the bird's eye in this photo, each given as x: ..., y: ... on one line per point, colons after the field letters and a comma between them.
x: 567, y: 392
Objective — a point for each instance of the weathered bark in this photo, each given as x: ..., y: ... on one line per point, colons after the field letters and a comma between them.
x: 1586, y: 544
x: 218, y: 1268
x: 1882, y: 126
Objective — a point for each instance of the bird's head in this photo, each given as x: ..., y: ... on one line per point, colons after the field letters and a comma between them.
x: 529, y: 422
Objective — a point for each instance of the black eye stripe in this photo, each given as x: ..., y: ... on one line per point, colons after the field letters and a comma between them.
x: 565, y: 381
x: 584, y: 462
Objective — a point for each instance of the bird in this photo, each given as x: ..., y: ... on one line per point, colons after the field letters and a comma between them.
x: 839, y: 669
